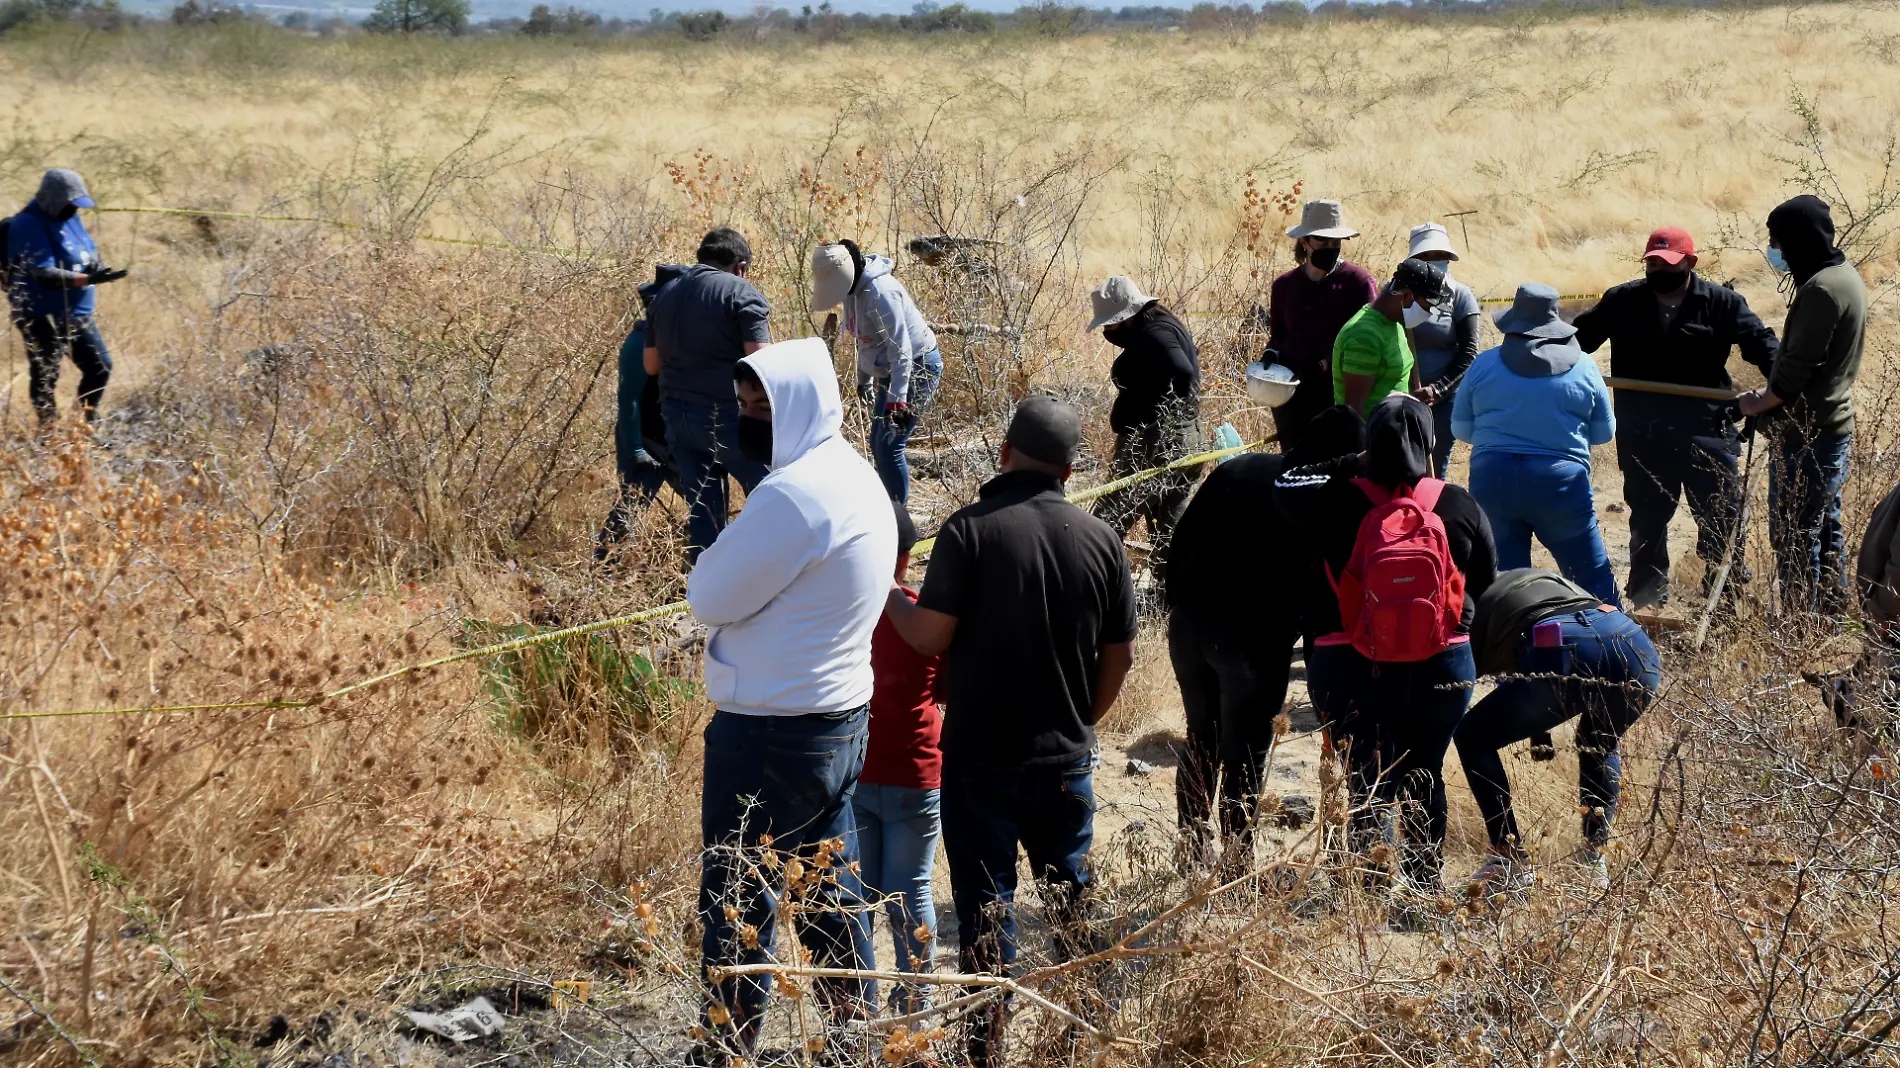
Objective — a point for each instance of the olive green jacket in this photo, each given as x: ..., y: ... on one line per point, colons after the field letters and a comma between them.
x: 1814, y: 372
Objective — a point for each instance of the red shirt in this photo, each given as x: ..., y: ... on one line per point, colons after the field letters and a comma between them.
x: 905, y: 721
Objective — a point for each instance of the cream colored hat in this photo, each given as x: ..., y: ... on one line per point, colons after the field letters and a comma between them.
x: 1116, y: 300
x: 1431, y: 237
x: 1323, y: 218
x: 831, y: 276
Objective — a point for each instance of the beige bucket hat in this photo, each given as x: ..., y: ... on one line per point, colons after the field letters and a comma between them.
x: 1323, y: 218
x: 831, y: 276
x: 1116, y: 300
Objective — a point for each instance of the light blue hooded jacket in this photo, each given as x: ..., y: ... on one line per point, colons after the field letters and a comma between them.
x: 891, y: 332
x: 1541, y: 396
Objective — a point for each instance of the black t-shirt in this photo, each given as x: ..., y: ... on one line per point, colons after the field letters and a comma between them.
x: 1038, y: 586
x: 1323, y: 508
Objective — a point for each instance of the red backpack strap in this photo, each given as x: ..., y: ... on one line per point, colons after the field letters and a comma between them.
x: 1376, y: 493
x: 1427, y: 492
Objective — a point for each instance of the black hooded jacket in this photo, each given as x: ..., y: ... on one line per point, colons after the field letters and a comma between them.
x: 1232, y: 516
x: 1821, y: 342
x: 1322, y: 509
x: 1157, y: 364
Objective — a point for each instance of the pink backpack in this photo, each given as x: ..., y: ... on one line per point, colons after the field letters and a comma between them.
x: 1401, y: 597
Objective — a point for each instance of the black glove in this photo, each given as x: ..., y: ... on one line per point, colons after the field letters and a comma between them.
x: 99, y: 274
x: 900, y: 415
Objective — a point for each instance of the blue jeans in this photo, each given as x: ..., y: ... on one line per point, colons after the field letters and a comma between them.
x: 1049, y: 810
x: 898, y: 827
x: 887, y: 441
x: 790, y: 777
x: 704, y: 438
x: 1394, y: 722
x: 1804, y: 524
x: 1611, y: 675
x: 1549, y: 496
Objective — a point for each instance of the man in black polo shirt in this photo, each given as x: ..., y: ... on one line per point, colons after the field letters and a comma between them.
x: 1672, y: 325
x: 1029, y: 599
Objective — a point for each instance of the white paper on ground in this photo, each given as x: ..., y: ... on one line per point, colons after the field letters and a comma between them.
x: 477, y: 1019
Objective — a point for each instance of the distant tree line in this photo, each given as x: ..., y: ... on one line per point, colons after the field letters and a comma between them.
x: 1049, y: 18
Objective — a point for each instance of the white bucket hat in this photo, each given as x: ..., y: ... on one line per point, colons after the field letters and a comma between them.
x: 1323, y: 218
x: 1431, y: 237
x: 831, y: 276
x: 1116, y: 300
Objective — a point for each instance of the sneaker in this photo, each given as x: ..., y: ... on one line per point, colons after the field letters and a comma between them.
x: 1503, y: 875
x: 1596, y: 869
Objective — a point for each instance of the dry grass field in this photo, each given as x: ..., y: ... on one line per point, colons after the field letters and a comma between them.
x: 334, y: 447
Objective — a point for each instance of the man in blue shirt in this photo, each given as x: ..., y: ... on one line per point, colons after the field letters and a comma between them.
x: 698, y: 329
x: 52, y: 267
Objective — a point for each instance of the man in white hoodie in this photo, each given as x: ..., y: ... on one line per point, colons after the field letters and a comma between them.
x: 791, y: 590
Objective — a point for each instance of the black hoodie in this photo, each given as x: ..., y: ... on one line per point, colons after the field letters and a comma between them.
x: 1229, y: 558
x: 1322, y: 508
x: 1821, y: 342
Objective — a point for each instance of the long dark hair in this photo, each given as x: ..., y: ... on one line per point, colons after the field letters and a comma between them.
x: 1299, y: 252
x: 857, y: 262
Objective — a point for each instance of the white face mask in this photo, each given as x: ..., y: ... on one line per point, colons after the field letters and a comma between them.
x: 1416, y: 315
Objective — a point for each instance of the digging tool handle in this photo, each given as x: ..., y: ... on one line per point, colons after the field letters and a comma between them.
x: 1670, y: 389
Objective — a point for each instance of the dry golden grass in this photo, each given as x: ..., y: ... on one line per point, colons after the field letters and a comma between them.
x: 331, y: 447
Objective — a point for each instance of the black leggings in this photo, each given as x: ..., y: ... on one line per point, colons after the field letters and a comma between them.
x: 1233, y: 684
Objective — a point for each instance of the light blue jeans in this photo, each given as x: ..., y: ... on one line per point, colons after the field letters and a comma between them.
x: 1549, y: 496
x: 887, y: 441
x: 898, y: 827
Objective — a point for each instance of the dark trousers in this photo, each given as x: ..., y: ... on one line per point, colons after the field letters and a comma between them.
x: 49, y: 340
x: 1047, y: 810
x: 1661, y: 464
x: 704, y: 438
x: 790, y: 777
x: 1161, y: 499
x: 1804, y: 519
x: 1314, y: 396
x: 1233, y: 683
x: 1394, y: 722
x: 1611, y: 673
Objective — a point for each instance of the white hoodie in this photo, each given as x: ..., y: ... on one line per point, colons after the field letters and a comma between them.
x: 794, y: 586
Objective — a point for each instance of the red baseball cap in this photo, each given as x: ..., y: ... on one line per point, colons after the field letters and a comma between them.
x: 1670, y: 245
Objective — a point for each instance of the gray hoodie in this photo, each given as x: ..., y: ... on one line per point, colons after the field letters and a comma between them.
x: 891, y: 332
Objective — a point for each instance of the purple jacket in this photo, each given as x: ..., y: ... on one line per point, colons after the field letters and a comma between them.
x: 1303, y: 316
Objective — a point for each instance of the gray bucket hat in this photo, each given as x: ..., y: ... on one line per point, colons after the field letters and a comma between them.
x: 1116, y: 300
x: 1533, y: 313
x: 1323, y: 218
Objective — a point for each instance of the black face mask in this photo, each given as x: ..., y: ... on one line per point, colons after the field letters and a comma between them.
x: 1325, y: 258
x: 755, y: 439
x: 1666, y: 282
x: 68, y: 212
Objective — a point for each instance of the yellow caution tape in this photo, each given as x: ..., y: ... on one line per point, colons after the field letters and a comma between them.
x: 921, y: 549
x: 468, y: 242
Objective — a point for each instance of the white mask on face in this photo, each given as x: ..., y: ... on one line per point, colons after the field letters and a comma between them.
x: 1415, y: 315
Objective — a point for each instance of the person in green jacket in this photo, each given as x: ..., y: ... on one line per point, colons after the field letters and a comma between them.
x: 1811, y: 388
x: 1371, y: 358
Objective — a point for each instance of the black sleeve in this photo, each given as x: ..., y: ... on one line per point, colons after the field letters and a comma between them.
x: 1756, y: 338
x: 1464, y: 349
x: 1119, y: 624
x: 1183, y: 369
x: 1472, y: 547
x: 948, y: 579
x: 1595, y: 326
